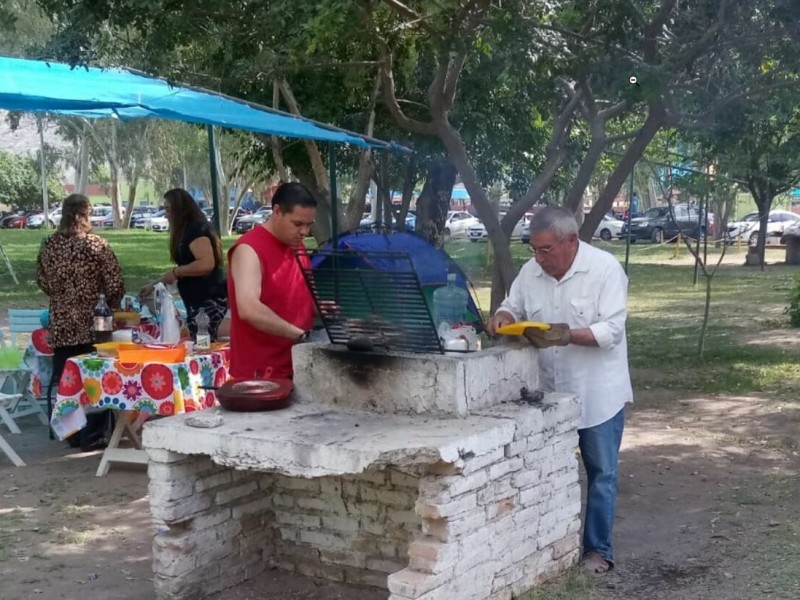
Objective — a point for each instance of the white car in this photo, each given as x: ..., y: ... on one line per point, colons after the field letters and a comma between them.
x: 747, y: 229
x: 458, y: 223
x: 477, y: 232
x: 55, y: 217
x: 609, y: 228
x: 158, y: 224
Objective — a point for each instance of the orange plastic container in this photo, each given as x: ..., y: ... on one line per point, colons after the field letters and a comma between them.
x: 144, y: 353
x: 109, y: 349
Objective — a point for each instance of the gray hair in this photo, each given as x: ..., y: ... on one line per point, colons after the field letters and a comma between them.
x: 556, y: 219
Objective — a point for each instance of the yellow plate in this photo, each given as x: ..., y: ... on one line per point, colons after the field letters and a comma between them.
x: 519, y: 328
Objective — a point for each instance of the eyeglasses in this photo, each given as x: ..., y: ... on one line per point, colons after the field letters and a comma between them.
x: 542, y: 251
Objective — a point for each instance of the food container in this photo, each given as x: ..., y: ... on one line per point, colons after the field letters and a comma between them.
x: 156, y: 353
x: 122, y: 335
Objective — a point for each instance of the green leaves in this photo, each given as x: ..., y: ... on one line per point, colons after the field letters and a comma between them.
x: 20, y: 182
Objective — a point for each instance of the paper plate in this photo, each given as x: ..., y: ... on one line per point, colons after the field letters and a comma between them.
x: 519, y: 328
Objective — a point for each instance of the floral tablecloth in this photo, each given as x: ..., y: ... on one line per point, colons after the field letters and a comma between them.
x: 38, y: 358
x: 91, y: 383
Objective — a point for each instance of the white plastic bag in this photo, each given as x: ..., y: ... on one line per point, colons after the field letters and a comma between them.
x: 170, y: 329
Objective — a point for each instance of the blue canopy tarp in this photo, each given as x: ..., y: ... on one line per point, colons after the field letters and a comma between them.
x: 431, y: 264
x: 38, y: 86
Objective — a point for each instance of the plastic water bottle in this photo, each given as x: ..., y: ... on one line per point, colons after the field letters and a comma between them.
x: 449, y: 303
x: 103, y: 324
x: 203, y: 340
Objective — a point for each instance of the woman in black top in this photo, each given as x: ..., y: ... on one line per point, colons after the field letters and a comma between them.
x: 196, y: 250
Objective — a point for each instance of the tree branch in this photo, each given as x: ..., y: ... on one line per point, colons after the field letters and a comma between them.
x: 556, y: 153
x: 355, y: 207
x: 390, y: 100
x: 614, y: 111
x: 454, y: 70
x: 401, y: 9
x: 274, y: 143
x: 318, y: 166
x: 387, y: 77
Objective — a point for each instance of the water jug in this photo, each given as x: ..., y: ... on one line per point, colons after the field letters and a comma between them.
x: 449, y: 303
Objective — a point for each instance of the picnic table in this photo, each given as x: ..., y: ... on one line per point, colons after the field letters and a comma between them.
x: 137, y: 391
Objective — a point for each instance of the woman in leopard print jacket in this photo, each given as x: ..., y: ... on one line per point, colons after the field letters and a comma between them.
x: 73, y: 268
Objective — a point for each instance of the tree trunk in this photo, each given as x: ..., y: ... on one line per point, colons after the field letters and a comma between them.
x: 237, y: 204
x: 573, y: 199
x: 762, y: 192
x: 274, y: 142
x: 116, y: 207
x: 322, y: 184
x: 434, y: 201
x: 409, y: 183
x: 358, y: 199
x: 113, y: 167
x: 82, y: 170
x: 322, y: 224
x: 132, y: 185
x: 656, y: 117
x: 498, y: 238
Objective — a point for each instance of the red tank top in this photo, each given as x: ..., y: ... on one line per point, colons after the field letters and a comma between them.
x: 255, y: 353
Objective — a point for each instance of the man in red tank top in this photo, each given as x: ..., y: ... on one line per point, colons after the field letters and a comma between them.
x: 271, y: 305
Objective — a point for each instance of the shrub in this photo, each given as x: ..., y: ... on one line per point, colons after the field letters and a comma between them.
x: 794, y: 304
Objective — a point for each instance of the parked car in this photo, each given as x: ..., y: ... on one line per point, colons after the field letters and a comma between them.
x: 747, y: 229
x: 102, y: 217
x: 55, y: 217
x: 477, y: 232
x: 367, y: 224
x: 140, y: 213
x: 608, y: 228
x: 16, y: 220
x: 158, y: 223
x: 657, y: 224
x: 35, y: 220
x: 143, y: 222
x: 245, y: 223
x: 458, y: 223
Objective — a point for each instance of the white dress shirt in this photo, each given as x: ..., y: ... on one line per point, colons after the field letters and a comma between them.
x: 593, y: 293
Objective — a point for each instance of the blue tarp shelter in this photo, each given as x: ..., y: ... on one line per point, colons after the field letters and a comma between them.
x: 431, y: 264
x: 39, y: 86
x: 51, y: 87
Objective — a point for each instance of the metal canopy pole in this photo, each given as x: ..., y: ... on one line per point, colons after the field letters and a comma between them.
x: 334, y: 220
x: 697, y: 244
x: 334, y: 196
x: 212, y: 159
x: 630, y: 210
x: 45, y: 200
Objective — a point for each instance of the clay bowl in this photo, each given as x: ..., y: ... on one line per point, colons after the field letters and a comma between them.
x: 252, y: 395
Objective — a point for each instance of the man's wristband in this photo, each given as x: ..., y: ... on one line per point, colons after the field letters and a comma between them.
x: 175, y: 272
x: 303, y: 337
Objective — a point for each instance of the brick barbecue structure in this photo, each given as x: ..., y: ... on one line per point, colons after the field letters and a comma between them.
x: 433, y: 477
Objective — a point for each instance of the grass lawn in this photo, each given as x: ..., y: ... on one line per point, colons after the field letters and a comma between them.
x: 665, y: 307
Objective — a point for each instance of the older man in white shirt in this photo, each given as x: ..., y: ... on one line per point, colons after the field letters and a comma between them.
x: 582, y: 292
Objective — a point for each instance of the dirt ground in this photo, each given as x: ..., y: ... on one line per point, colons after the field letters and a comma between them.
x: 707, y: 511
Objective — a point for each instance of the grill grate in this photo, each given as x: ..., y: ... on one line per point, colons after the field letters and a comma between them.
x: 377, y: 296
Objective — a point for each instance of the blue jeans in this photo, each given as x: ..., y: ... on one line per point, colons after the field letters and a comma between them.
x: 600, y: 450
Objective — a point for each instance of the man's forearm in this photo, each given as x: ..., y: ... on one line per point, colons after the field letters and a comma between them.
x: 264, y: 319
x: 582, y: 337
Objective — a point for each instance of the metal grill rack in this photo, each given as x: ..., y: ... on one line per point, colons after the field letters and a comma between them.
x: 372, y: 295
